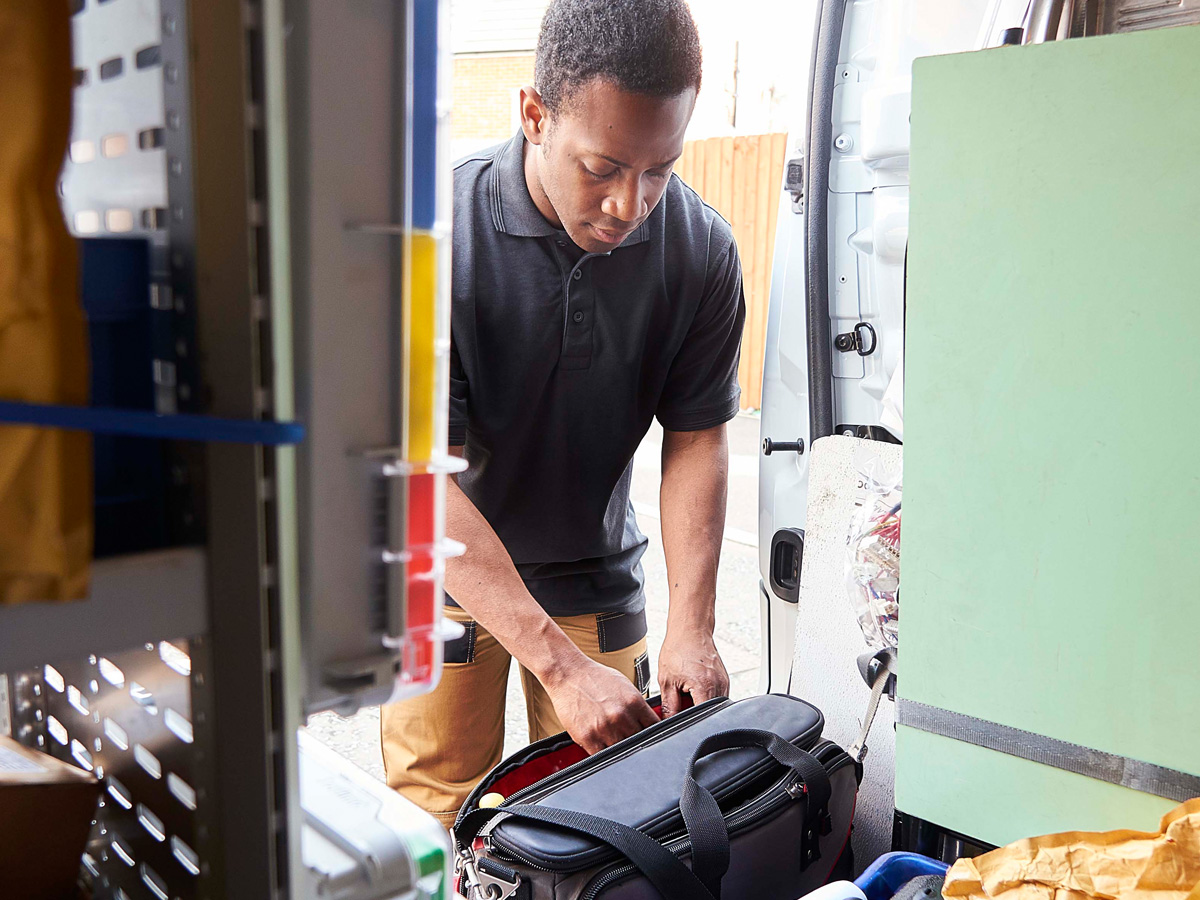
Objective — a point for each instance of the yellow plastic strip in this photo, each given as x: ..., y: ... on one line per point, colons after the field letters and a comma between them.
x: 419, y: 298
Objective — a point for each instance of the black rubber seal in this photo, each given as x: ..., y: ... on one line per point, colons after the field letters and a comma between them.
x: 817, y: 155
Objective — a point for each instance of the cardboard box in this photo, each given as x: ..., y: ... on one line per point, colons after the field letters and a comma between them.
x: 46, y: 812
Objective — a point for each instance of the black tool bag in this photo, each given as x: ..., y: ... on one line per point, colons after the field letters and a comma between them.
x: 733, y: 800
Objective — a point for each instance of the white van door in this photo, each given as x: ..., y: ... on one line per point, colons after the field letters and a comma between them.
x: 835, y: 328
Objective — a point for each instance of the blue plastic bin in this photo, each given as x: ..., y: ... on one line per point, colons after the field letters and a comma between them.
x: 892, y: 871
x: 125, y: 337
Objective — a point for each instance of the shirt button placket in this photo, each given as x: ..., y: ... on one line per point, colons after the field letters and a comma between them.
x: 578, y: 343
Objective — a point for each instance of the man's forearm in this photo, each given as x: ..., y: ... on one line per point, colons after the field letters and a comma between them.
x: 695, y: 473
x: 486, y: 584
x: 692, y: 499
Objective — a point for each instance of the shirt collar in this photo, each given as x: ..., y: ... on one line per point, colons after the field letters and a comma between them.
x: 513, y: 210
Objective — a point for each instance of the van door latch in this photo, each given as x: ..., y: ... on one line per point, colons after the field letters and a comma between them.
x: 793, y: 182
x: 856, y: 340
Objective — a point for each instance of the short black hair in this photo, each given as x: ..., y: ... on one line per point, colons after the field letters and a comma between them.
x: 648, y: 47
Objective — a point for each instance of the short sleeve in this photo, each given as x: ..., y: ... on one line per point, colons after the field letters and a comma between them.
x: 458, y: 399
x: 702, y: 390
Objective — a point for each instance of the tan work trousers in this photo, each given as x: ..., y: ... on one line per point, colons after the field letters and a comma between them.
x: 438, y: 746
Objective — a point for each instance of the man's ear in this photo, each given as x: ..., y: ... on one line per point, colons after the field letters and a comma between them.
x: 535, y: 119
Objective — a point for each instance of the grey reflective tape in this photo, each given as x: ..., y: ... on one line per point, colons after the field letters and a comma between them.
x: 1131, y: 773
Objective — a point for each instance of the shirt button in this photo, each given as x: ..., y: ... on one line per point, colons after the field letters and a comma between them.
x: 578, y: 274
x: 578, y: 317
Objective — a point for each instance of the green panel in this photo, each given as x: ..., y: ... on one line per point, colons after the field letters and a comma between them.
x: 1052, y: 453
x: 999, y: 799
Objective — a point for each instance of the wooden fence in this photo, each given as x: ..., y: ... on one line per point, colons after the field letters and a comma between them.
x: 741, y: 178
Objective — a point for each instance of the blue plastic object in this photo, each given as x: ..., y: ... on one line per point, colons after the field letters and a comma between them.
x: 892, y: 871
x: 125, y: 336
x: 424, y: 113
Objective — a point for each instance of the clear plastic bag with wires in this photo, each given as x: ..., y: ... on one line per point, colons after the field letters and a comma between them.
x: 873, y: 552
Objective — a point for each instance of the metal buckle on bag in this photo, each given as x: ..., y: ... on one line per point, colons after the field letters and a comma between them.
x: 495, y: 886
x: 464, y: 868
x: 479, y: 879
x: 796, y: 789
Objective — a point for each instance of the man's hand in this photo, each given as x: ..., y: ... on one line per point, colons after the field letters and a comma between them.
x: 690, y: 670
x: 597, y: 705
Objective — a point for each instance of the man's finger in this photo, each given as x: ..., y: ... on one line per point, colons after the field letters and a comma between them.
x: 645, y: 715
x: 672, y: 699
x: 701, y: 694
x: 587, y: 741
x: 593, y: 745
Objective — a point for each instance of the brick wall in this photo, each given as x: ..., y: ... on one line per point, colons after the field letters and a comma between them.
x: 484, y: 90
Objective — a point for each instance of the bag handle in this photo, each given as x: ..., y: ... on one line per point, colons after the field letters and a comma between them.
x: 672, y: 879
x: 702, y: 814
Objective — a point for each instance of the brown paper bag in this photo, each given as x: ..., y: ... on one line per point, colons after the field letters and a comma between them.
x: 45, y: 475
x: 1130, y: 865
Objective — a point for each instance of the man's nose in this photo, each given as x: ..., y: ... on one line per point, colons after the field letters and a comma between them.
x: 625, y: 201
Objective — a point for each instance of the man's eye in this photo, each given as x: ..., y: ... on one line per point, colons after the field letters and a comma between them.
x: 666, y: 174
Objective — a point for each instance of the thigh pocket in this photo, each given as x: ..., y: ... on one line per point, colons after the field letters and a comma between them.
x: 641, y: 673
x: 462, y: 650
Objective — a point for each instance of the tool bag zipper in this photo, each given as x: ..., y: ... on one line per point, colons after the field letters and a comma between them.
x: 651, y: 735
x: 763, y: 808
x: 601, y: 759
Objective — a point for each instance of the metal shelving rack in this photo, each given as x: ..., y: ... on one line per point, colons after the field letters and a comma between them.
x: 268, y: 159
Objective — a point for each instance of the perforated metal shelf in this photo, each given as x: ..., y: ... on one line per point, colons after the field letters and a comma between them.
x: 129, y: 718
x: 115, y: 177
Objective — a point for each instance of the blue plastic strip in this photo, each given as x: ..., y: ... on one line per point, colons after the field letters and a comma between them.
x: 892, y: 871
x: 140, y: 423
x: 424, y: 178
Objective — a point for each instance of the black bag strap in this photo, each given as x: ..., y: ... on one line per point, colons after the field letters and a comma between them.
x: 702, y: 814
x: 673, y: 880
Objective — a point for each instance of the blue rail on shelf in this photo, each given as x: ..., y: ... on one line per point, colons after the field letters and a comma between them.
x: 142, y: 423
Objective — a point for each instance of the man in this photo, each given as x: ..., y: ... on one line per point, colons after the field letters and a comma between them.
x: 592, y: 292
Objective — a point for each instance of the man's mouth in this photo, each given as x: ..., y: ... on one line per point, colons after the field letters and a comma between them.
x: 609, y: 236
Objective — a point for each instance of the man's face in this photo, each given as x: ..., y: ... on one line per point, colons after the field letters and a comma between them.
x: 601, y: 164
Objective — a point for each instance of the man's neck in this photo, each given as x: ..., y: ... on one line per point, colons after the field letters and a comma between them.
x: 533, y: 183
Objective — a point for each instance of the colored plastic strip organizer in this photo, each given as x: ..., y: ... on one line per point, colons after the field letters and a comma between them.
x: 140, y: 423
x: 425, y: 318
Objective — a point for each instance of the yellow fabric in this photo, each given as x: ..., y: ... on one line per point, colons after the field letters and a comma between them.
x: 45, y: 475
x: 1129, y: 865
x: 438, y: 746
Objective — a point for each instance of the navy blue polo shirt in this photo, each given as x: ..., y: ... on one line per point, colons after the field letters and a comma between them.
x: 561, y: 359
